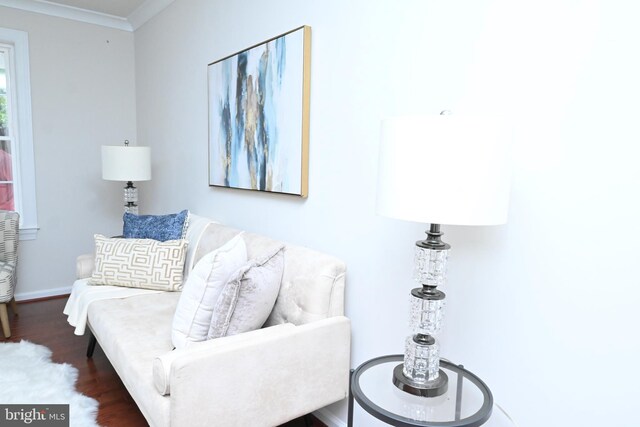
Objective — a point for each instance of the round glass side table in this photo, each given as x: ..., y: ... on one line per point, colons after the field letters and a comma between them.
x: 468, y: 401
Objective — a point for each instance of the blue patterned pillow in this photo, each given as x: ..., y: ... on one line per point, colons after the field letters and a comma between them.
x: 157, y: 227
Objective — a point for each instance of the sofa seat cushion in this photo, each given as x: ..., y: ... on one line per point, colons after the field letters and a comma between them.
x: 132, y: 332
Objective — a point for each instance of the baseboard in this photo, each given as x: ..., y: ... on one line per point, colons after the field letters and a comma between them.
x: 329, y: 418
x: 28, y: 296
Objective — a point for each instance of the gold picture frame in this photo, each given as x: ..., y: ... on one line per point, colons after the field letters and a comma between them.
x: 259, y: 116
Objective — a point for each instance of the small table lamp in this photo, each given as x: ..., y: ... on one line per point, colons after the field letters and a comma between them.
x: 443, y: 169
x: 125, y: 163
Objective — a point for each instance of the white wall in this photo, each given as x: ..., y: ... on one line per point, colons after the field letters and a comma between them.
x: 83, y: 96
x: 543, y: 308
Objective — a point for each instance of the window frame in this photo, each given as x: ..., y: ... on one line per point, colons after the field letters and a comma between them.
x: 21, y: 130
x: 12, y: 138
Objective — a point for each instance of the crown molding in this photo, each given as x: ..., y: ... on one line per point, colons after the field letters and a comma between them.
x: 69, y: 12
x: 135, y: 20
x: 146, y: 11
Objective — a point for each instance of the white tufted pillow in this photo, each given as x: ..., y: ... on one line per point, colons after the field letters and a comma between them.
x: 202, y: 289
x: 248, y: 297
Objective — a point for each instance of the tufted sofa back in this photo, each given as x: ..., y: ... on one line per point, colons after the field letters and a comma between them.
x: 312, y: 283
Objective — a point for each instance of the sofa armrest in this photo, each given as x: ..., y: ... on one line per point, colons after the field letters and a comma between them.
x: 270, y: 379
x: 162, y: 364
x: 84, y: 266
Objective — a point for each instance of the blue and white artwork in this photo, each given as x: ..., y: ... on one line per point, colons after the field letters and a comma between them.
x: 258, y: 104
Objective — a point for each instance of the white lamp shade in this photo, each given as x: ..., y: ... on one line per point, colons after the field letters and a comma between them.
x: 445, y: 169
x: 126, y: 163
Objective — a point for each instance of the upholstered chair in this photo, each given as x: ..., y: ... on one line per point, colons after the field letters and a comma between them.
x: 8, y: 265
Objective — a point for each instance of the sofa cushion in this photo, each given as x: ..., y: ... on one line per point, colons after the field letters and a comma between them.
x: 139, y: 263
x: 157, y: 227
x: 132, y: 332
x: 202, y: 289
x: 248, y: 296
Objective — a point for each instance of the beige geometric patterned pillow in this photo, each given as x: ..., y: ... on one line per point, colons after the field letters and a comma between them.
x: 139, y: 263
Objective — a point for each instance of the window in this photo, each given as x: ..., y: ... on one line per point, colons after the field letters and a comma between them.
x: 7, y: 138
x: 17, y: 173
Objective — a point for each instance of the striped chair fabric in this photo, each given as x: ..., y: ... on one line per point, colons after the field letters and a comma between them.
x: 9, y: 222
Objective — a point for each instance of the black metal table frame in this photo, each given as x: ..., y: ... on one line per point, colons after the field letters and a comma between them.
x: 475, y: 420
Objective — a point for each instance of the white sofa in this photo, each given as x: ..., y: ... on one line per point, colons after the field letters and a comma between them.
x: 297, y: 363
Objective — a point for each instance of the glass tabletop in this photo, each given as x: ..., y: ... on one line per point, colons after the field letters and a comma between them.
x: 467, y: 402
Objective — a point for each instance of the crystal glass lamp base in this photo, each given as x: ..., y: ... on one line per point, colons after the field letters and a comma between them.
x: 129, y: 208
x: 130, y: 199
x: 130, y: 194
x: 434, y: 388
x: 421, y: 359
x: 420, y: 374
x: 426, y: 313
x: 430, y: 266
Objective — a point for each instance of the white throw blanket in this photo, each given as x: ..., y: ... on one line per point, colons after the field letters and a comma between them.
x: 83, y: 294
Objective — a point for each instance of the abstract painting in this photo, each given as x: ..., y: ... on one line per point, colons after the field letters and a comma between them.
x: 259, y: 116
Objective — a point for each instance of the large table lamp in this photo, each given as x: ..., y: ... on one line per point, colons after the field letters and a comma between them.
x: 127, y: 164
x: 440, y: 169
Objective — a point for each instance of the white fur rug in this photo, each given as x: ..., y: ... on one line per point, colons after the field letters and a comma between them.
x: 27, y: 375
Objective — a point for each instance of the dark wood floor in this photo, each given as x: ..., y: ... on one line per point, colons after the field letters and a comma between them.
x: 42, y: 322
